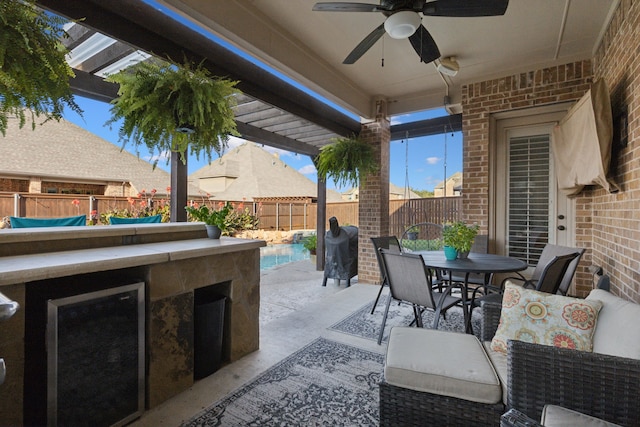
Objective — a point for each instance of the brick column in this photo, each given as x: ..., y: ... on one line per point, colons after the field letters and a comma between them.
x: 374, y: 196
x: 35, y: 184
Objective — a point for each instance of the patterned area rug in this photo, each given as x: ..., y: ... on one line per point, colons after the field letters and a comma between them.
x: 362, y: 323
x: 324, y: 384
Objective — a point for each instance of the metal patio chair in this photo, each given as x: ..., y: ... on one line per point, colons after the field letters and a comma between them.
x: 409, y: 282
x: 385, y: 242
x: 553, y: 274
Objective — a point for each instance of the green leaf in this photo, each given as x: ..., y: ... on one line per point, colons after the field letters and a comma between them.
x: 347, y: 161
x: 34, y: 75
x: 157, y: 98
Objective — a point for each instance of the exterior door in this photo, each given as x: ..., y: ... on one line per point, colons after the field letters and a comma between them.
x: 530, y: 211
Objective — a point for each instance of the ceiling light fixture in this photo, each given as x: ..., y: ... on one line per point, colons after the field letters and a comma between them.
x: 402, y: 24
x: 448, y: 66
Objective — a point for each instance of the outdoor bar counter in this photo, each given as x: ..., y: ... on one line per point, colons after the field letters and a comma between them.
x: 176, y: 262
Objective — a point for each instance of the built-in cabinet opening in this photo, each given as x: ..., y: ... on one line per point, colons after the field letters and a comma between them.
x: 210, y: 342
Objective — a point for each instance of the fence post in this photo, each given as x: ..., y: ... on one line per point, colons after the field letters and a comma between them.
x: 93, y: 206
x: 304, y: 216
x: 290, y: 216
x: 277, y: 216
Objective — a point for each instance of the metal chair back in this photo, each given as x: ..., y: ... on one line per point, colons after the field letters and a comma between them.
x: 548, y: 253
x: 553, y: 273
x: 407, y: 278
x: 384, y: 242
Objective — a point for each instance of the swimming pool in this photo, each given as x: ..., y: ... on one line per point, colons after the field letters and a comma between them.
x: 274, y: 255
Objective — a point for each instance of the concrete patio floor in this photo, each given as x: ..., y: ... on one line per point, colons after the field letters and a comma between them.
x: 295, y: 310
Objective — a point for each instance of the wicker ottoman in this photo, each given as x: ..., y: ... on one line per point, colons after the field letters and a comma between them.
x: 438, y: 378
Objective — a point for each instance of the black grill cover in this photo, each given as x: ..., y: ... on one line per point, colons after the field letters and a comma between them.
x: 341, y: 252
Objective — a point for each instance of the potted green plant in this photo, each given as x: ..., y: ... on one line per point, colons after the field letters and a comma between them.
x: 174, y: 108
x: 346, y: 160
x: 214, y: 220
x: 459, y: 236
x: 34, y: 74
x: 310, y: 244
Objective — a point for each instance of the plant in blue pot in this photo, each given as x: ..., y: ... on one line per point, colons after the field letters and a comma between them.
x: 215, y: 220
x: 458, y: 238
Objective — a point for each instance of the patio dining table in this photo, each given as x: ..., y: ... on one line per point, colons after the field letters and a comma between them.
x: 475, y: 263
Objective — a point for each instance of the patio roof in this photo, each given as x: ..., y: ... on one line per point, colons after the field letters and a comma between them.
x: 271, y: 111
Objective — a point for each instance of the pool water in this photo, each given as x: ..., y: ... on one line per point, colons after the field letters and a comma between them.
x: 274, y: 255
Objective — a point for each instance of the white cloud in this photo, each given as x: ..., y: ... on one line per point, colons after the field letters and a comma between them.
x: 308, y: 170
x: 164, y: 156
x: 399, y: 119
x: 234, y: 142
x: 432, y: 160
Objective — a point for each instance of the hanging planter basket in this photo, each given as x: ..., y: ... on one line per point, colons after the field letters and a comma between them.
x: 347, y: 161
x: 34, y: 74
x: 177, y: 108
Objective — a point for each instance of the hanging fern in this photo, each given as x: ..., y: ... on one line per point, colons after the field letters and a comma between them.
x: 346, y: 161
x: 34, y: 75
x: 156, y: 98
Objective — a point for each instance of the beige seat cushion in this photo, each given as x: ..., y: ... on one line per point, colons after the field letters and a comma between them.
x: 617, y: 332
x: 499, y: 362
x: 557, y: 416
x: 444, y: 363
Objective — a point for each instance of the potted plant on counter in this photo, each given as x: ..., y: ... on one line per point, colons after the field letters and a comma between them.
x: 460, y: 237
x: 214, y: 220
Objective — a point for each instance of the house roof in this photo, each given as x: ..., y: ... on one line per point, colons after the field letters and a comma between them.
x: 249, y: 172
x: 456, y: 179
x: 393, y: 189
x: 62, y: 151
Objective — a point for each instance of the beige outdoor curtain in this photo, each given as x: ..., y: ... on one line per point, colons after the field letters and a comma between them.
x: 582, y: 143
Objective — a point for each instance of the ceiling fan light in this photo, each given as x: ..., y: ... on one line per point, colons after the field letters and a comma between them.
x: 402, y: 24
x: 448, y: 66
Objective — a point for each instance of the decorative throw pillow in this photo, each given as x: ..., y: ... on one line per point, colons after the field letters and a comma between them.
x: 547, y: 319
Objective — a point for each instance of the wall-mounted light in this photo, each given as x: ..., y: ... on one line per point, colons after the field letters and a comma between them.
x: 448, y: 66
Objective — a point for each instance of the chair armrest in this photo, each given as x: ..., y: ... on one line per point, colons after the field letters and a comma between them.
x: 515, y: 418
x: 603, y: 386
x: 519, y: 278
x: 490, y: 319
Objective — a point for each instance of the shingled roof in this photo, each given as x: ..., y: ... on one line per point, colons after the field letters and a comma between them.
x: 248, y: 172
x: 62, y: 151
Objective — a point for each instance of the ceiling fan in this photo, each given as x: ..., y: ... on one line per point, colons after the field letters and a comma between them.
x: 404, y: 21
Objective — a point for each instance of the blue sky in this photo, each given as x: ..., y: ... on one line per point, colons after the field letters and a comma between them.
x: 426, y: 156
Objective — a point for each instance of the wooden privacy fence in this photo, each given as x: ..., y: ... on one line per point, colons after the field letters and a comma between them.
x: 273, y: 216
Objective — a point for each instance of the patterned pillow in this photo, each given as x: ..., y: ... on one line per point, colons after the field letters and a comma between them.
x: 547, y: 319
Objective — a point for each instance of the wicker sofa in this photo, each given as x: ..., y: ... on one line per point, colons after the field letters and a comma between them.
x: 604, y: 383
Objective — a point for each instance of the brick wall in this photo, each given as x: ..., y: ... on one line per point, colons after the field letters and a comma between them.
x: 525, y: 90
x: 14, y: 185
x: 608, y: 225
x: 374, y: 200
x: 615, y: 218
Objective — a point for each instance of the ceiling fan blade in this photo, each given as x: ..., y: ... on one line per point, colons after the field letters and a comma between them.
x: 364, y: 45
x: 346, y: 7
x: 465, y: 8
x: 424, y: 45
